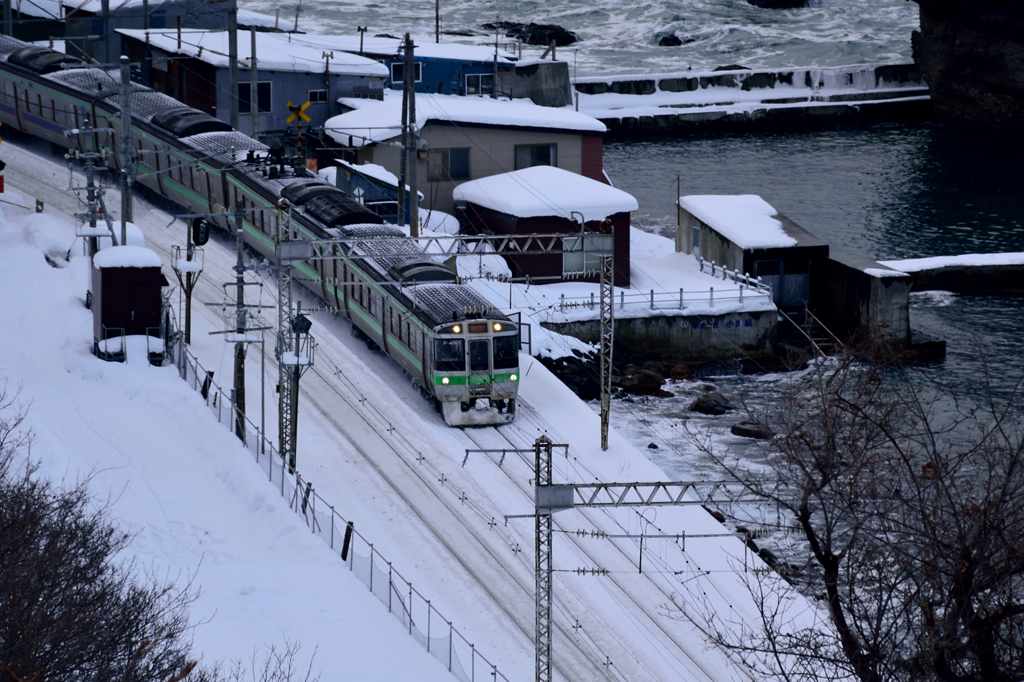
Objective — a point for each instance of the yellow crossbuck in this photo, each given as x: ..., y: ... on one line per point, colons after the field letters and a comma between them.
x: 298, y: 112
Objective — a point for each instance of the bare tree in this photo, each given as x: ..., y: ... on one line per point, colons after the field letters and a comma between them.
x: 909, y: 499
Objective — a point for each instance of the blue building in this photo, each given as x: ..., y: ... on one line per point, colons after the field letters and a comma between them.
x: 441, y: 68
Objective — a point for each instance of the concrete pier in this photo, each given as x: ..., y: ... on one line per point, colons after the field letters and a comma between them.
x: 671, y: 103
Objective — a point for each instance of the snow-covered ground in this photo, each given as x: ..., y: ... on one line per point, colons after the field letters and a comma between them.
x: 377, y: 452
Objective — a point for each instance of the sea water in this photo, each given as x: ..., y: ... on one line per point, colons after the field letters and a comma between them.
x: 620, y: 37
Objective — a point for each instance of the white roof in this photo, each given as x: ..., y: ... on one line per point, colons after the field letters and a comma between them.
x: 392, y: 46
x: 546, y: 191
x: 746, y: 220
x: 245, y: 17
x: 126, y: 257
x: 48, y: 9
x: 273, y: 51
x: 383, y: 120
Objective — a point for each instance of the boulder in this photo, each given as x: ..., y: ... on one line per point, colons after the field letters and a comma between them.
x: 670, y: 41
x: 751, y: 430
x: 643, y: 382
x: 535, y: 34
x: 711, y: 403
x: 779, y: 4
x: 652, y: 446
x: 679, y: 372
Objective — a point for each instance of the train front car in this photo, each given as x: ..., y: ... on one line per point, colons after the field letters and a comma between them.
x: 476, y: 370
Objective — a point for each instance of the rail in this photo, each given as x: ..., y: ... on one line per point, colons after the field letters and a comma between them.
x: 680, y: 300
x: 423, y: 622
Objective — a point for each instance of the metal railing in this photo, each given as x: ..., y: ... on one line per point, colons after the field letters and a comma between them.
x: 669, y: 300
x: 411, y: 608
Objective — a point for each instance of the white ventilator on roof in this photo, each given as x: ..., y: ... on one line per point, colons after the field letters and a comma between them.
x: 746, y: 220
x: 546, y: 191
x: 383, y: 120
x: 274, y: 52
x: 126, y: 257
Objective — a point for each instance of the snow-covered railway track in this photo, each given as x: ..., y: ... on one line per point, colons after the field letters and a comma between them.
x: 514, y: 436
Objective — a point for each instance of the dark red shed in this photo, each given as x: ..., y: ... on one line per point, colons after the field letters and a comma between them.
x: 548, y: 200
x: 126, y: 289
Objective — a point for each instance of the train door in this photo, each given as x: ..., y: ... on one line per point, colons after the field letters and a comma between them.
x: 479, y: 363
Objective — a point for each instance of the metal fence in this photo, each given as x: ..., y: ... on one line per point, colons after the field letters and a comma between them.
x: 414, y: 611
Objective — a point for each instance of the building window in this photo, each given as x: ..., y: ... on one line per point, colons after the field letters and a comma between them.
x: 480, y: 84
x: 398, y: 73
x: 317, y: 96
x: 448, y: 164
x: 528, y: 156
x: 583, y: 253
x: 245, y: 97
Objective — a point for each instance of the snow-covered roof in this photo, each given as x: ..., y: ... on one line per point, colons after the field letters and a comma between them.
x: 546, y: 191
x: 373, y: 170
x: 383, y: 120
x: 47, y: 9
x: 246, y: 18
x: 273, y: 51
x: 960, y: 261
x: 746, y: 220
x: 126, y: 257
x: 392, y: 47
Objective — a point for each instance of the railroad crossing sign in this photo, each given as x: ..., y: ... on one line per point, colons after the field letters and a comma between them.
x: 298, y: 112
x: 358, y: 194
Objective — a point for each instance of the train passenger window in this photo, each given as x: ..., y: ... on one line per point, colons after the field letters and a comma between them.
x: 450, y: 355
x: 479, y: 359
x: 506, y: 352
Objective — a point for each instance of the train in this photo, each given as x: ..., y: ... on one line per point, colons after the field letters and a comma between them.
x: 461, y: 352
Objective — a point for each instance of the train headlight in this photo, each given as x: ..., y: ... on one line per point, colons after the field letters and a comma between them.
x: 514, y: 377
x: 457, y: 329
x: 445, y: 381
x: 497, y: 326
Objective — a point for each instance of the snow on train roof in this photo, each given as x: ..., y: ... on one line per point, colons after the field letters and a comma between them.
x: 746, y: 220
x: 441, y: 303
x: 381, y: 121
x: 273, y: 51
x: 226, y: 146
x: 546, y: 191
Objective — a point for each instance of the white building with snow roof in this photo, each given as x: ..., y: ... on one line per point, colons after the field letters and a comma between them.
x: 468, y: 138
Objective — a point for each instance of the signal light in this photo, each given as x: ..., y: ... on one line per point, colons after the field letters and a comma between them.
x: 457, y: 329
x: 497, y: 326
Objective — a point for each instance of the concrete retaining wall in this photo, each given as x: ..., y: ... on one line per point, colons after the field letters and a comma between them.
x: 855, y: 303
x: 684, y: 339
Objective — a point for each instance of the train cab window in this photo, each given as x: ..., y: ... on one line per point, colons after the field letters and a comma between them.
x: 450, y: 355
x: 479, y: 360
x: 506, y: 352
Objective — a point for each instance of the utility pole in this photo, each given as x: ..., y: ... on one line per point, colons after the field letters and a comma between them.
x: 412, y: 153
x: 403, y: 165
x: 105, y: 15
x: 127, y: 152
x: 607, y: 311
x: 544, y: 523
x: 292, y: 362
x: 238, y: 391
x: 362, y: 32
x: 437, y: 21
x: 232, y: 59
x: 8, y: 23
x: 328, y: 56
x: 254, y: 92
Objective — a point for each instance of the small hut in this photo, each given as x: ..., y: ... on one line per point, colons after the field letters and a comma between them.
x: 549, y: 200
x: 127, y: 300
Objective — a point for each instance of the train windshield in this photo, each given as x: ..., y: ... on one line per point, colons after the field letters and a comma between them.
x: 506, y: 352
x: 450, y: 355
x: 478, y: 360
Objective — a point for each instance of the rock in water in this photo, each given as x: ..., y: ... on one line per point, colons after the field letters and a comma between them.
x: 670, y: 41
x: 779, y: 4
x: 972, y: 57
x: 751, y: 430
x: 643, y: 382
x: 535, y: 34
x: 711, y: 403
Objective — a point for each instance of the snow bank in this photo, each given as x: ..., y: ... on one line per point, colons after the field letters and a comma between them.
x: 546, y: 191
x: 747, y: 220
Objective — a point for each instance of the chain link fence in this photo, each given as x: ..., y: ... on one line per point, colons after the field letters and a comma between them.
x: 412, y: 609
